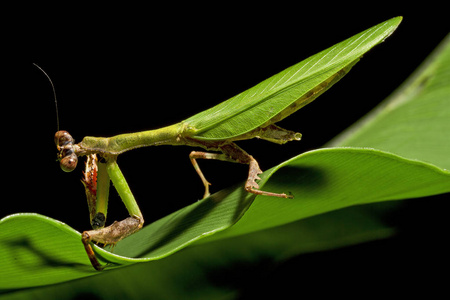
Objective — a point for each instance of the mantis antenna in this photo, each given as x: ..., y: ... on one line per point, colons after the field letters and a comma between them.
x: 54, y: 94
x: 68, y: 159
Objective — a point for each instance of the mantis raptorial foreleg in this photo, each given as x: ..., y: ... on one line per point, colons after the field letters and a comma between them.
x: 109, y: 236
x: 233, y: 153
x: 118, y: 230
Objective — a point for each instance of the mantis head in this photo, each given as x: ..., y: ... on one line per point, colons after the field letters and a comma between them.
x: 67, y: 158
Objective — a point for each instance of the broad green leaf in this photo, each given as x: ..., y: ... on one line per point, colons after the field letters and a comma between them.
x: 414, y: 121
x: 38, y: 250
x: 182, y: 276
x: 297, y: 85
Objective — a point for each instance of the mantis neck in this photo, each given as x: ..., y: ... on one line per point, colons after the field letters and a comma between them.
x: 170, y: 135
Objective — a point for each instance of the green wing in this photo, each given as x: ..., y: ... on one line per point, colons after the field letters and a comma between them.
x: 284, y: 93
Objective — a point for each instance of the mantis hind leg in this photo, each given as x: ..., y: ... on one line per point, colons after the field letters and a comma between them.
x: 233, y: 153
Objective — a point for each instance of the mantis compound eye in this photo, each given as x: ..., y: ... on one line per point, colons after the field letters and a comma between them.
x: 69, y: 162
x: 67, y: 157
x: 63, y: 138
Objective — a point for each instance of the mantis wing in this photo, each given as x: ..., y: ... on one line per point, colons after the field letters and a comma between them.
x: 282, y: 94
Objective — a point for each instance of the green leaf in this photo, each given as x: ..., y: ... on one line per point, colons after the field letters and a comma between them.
x: 414, y: 121
x: 199, y: 266
x: 40, y: 251
x: 260, y: 104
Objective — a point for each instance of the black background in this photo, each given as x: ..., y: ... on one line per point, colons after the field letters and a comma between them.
x: 135, y: 69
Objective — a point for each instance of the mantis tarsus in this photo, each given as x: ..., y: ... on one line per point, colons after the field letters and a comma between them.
x: 251, y: 114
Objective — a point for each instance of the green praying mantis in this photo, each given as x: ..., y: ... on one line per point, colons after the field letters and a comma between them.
x: 250, y: 114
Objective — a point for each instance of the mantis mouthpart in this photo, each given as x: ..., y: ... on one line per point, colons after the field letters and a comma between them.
x: 250, y: 114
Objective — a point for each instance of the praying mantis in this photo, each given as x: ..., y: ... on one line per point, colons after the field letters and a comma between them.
x: 250, y: 114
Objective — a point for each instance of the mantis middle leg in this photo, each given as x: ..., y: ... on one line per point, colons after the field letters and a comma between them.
x: 233, y: 153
